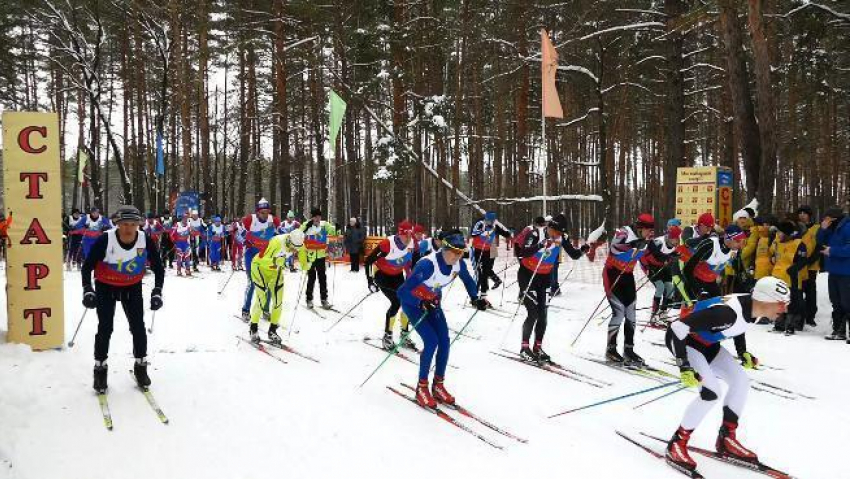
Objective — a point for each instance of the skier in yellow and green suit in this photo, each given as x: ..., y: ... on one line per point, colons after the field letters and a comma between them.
x: 267, y: 274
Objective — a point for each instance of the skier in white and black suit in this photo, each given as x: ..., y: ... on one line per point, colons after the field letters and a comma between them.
x: 118, y: 259
x: 695, y: 341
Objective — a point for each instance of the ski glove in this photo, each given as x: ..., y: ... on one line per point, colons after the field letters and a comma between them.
x: 373, y: 288
x: 156, y: 299
x: 689, y: 378
x: 585, y: 248
x: 89, y: 299
x: 481, y: 304
x: 749, y: 361
x: 429, y: 305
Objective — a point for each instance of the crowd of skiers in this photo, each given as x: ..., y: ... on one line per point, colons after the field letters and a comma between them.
x: 711, y: 283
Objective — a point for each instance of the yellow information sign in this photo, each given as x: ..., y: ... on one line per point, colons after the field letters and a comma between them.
x: 706, y: 189
x: 33, y: 196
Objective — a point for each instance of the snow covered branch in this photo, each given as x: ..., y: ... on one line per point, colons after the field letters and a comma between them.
x: 529, y: 199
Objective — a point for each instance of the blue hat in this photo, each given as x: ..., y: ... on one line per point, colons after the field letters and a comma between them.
x: 734, y: 233
x: 674, y: 222
x: 217, y: 219
x: 263, y: 204
x: 453, y: 239
x: 490, y: 216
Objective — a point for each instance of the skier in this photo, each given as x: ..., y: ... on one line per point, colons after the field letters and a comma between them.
x: 627, y: 247
x: 199, y: 229
x: 393, y: 257
x: 289, y: 224
x: 260, y: 227
x: 237, y: 243
x: 790, y: 264
x: 483, y: 233
x: 92, y: 225
x: 538, y: 252
x: 429, y: 245
x: 153, y: 228
x: 5, y: 242
x: 180, y: 236
x: 313, y: 254
x: 216, y: 234
x: 166, y: 243
x: 656, y: 264
x: 267, y: 274
x: 75, y: 238
x: 695, y: 342
x: 118, y: 260
x: 420, y: 297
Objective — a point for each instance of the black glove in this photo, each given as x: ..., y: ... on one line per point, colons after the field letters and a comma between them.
x: 373, y: 288
x: 89, y: 299
x: 156, y: 299
x: 585, y: 248
x: 481, y: 303
x: 429, y: 305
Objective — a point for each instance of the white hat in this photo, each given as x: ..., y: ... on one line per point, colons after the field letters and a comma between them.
x: 771, y: 290
x: 296, y: 237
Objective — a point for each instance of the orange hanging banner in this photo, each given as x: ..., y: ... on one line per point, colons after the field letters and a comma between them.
x: 33, y: 197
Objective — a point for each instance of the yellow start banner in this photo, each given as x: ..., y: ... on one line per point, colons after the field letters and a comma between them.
x: 33, y: 197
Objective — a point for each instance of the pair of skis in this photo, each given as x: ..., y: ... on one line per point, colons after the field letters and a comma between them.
x: 103, y: 401
x: 755, y: 466
x: 554, y: 368
x: 442, y: 414
x: 261, y: 347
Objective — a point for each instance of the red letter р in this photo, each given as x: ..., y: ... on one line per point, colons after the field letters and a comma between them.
x: 24, y: 139
x: 35, y: 272
x: 35, y: 184
x: 38, y: 316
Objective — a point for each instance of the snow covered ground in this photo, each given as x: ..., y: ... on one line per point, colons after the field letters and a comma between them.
x: 236, y: 413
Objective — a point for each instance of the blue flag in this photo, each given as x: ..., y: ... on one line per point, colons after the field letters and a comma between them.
x: 160, y: 160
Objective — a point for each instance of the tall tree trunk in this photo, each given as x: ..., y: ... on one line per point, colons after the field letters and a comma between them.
x: 203, y: 113
x: 285, y: 160
x: 674, y: 104
x: 766, y: 107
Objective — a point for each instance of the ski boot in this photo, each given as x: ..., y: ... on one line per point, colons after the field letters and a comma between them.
x: 140, y: 371
x: 526, y: 354
x: 542, y: 357
x: 179, y: 272
x: 631, y: 358
x: 423, y: 395
x: 836, y: 337
x: 273, y: 336
x: 309, y: 304
x: 611, y: 354
x: 439, y: 393
x: 100, y: 370
x: 405, y: 341
x: 789, y: 332
x: 387, y: 343
x: 729, y: 447
x: 677, y: 451
x: 496, y: 283
x: 253, y: 331
x: 326, y: 304
x: 246, y: 316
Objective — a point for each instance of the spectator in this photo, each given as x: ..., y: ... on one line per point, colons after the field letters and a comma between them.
x: 355, y: 236
x: 834, y: 235
x: 790, y: 264
x: 810, y: 292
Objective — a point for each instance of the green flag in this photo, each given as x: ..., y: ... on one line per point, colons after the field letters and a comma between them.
x: 337, y: 106
x: 81, y: 169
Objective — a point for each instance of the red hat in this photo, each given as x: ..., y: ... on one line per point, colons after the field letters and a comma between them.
x: 706, y: 219
x: 418, y: 229
x: 674, y: 232
x: 645, y: 220
x: 405, y: 227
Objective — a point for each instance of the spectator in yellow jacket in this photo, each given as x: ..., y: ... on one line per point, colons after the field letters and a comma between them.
x: 810, y: 290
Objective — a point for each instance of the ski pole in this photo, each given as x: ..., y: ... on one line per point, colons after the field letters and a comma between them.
x: 617, y: 280
x: 227, y: 282
x: 505, y: 280
x: 297, y: 300
x: 343, y: 315
x: 404, y: 336
x: 459, y: 333
x: 562, y: 282
x: 71, y: 343
x: 153, y: 320
x: 618, y: 398
x: 680, y: 388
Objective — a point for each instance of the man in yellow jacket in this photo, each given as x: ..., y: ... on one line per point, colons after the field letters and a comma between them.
x: 810, y: 289
x: 267, y: 274
x: 790, y: 264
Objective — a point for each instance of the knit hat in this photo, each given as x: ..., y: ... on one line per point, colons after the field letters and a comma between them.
x: 806, y: 209
x: 418, y: 229
x: 540, y: 221
x: 290, y: 215
x: 128, y: 213
x: 787, y: 228
x: 559, y: 223
x: 834, y: 213
x: 706, y: 219
x: 734, y: 233
x: 315, y: 212
x: 674, y: 222
x: 490, y: 216
x: 453, y: 239
x: 645, y: 220
x: 263, y: 204
x: 217, y: 219
x: 405, y: 228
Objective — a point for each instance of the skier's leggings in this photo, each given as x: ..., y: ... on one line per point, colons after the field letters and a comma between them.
x: 535, y: 307
x: 622, y: 300
x: 435, y: 335
x: 663, y: 292
x: 249, y: 290
x: 269, y: 294
x: 484, y: 269
x: 711, y: 371
x: 319, y: 269
x: 389, y: 285
x: 134, y: 309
